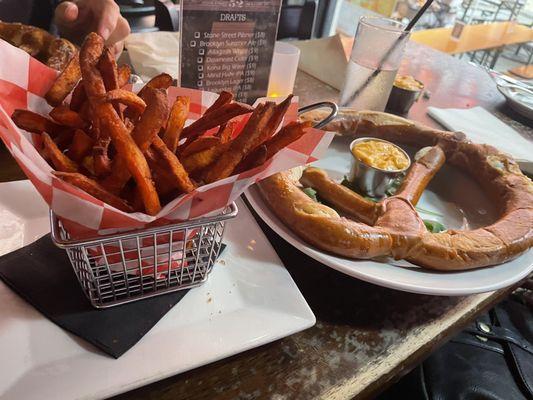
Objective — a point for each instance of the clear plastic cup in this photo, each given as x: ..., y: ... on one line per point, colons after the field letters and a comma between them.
x: 283, y: 70
x: 376, y: 55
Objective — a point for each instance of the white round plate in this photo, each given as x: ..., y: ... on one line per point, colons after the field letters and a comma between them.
x: 520, y: 100
x: 451, y: 195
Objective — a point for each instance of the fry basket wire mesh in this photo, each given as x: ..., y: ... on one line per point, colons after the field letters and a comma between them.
x: 124, y: 267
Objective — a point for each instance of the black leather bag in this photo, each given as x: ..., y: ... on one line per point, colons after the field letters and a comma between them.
x: 490, y: 360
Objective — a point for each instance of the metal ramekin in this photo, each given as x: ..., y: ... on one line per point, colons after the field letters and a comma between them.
x: 373, y: 182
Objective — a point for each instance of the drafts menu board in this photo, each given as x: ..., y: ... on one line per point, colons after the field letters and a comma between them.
x: 228, y: 45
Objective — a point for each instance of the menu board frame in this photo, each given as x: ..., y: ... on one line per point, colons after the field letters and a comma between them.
x: 228, y: 45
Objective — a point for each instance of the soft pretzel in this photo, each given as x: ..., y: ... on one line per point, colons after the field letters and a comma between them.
x: 38, y: 43
x: 395, y: 228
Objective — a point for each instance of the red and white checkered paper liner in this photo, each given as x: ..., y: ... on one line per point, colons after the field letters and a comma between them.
x: 23, y: 83
x: 128, y: 256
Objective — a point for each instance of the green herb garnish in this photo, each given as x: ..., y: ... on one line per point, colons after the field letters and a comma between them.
x: 310, y: 192
x: 424, y: 211
x: 434, y: 226
x: 394, y: 186
x: 372, y: 199
x: 345, y: 182
x: 348, y: 184
x: 390, y: 192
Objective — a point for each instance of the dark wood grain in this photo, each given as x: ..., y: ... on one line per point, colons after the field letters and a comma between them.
x: 365, y: 337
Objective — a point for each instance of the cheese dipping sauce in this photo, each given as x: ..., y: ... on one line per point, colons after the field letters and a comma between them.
x: 407, y: 82
x: 381, y: 155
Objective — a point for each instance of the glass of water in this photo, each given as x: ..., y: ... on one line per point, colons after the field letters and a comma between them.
x: 376, y: 54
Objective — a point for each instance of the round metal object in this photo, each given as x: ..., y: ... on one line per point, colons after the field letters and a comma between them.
x: 323, y: 104
x: 483, y: 327
x: 374, y: 182
x: 519, y: 99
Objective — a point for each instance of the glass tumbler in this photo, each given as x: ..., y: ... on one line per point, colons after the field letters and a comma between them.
x: 376, y: 55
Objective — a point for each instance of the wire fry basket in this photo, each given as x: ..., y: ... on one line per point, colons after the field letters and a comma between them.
x: 121, y: 268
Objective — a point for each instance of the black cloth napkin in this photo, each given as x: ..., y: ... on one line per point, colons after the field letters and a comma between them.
x: 41, y: 274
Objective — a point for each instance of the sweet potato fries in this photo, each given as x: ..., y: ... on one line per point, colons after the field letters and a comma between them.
x: 134, y: 151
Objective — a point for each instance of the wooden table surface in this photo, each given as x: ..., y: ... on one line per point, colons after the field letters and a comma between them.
x: 454, y: 83
x: 474, y: 37
x: 366, y: 336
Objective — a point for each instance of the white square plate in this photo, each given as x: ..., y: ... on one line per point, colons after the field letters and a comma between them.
x: 249, y: 300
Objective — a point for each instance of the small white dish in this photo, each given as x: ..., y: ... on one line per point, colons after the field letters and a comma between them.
x: 249, y: 300
x: 520, y: 100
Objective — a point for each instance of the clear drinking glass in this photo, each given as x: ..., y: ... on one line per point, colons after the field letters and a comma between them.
x: 379, y: 44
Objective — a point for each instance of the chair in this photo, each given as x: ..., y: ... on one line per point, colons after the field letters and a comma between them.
x: 482, y: 11
x: 140, y: 14
x: 297, y: 21
x: 167, y: 15
x: 522, y: 72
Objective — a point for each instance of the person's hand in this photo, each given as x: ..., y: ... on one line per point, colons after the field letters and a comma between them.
x: 77, y: 18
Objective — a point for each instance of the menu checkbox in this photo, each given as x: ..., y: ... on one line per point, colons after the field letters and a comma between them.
x: 193, y: 43
x: 199, y: 60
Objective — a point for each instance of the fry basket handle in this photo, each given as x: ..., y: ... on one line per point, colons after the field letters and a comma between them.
x: 323, y: 104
